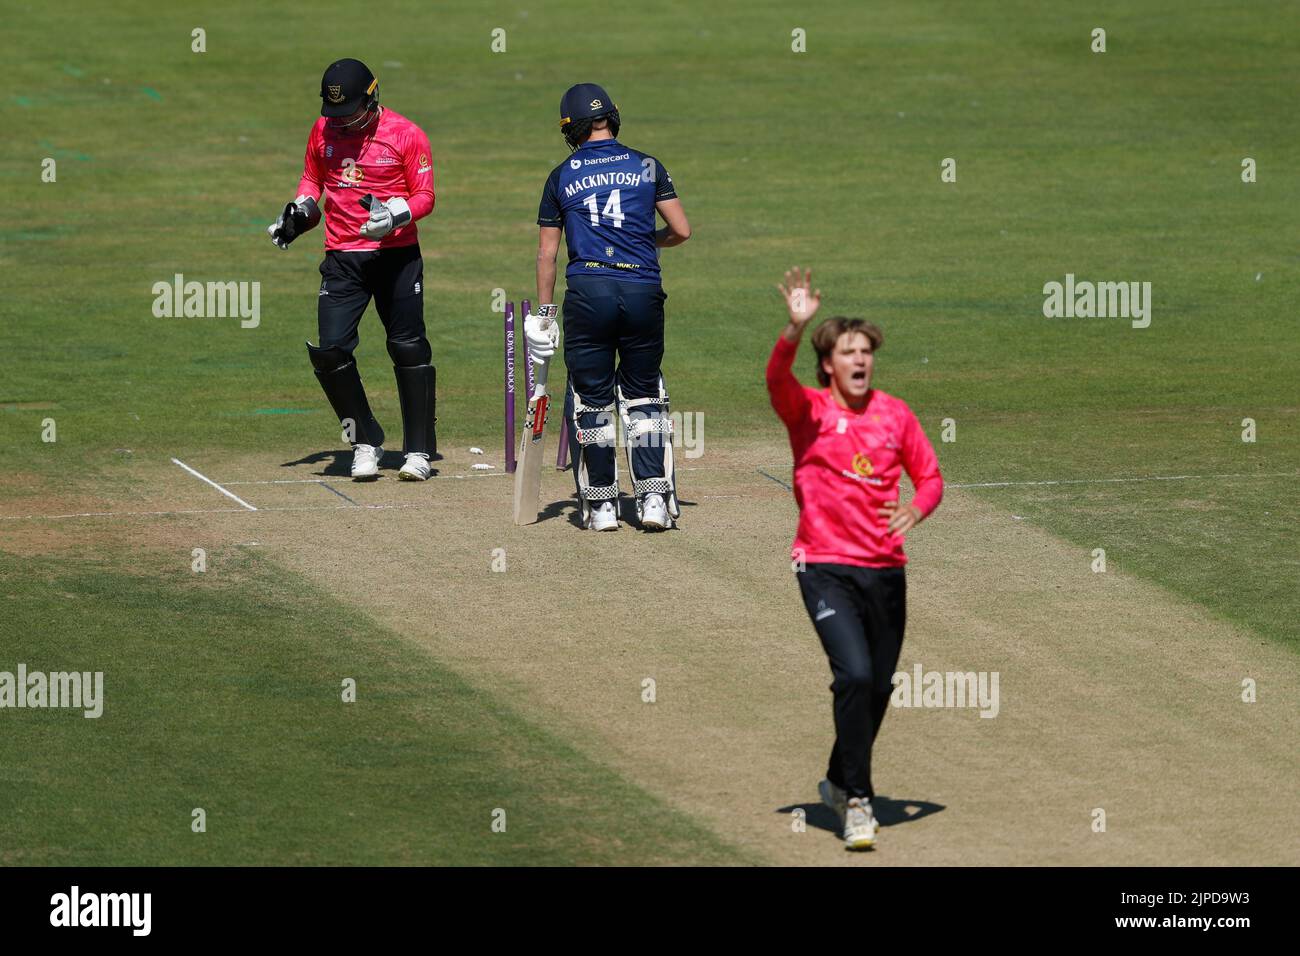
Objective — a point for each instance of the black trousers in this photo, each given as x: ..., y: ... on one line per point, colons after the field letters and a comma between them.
x: 859, y: 614
x: 605, y: 319
x: 395, y: 279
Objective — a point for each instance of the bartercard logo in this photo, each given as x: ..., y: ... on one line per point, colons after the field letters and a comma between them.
x: 575, y: 164
x: 72, y: 909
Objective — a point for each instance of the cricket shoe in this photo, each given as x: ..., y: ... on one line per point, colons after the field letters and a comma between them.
x: 654, y: 513
x: 860, y: 825
x: 365, y: 462
x: 416, y: 467
x: 604, y: 517
x: 834, y: 797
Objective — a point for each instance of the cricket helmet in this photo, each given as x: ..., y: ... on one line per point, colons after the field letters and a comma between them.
x: 347, y: 86
x: 582, y: 104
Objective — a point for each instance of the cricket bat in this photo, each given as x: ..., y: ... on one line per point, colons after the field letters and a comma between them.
x: 532, y: 444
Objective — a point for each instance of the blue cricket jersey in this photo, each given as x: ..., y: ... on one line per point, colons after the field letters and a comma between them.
x: 603, y: 197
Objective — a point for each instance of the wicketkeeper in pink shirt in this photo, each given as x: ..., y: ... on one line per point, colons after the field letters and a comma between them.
x: 851, y: 442
x: 371, y: 170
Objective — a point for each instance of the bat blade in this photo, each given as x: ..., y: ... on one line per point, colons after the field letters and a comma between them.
x: 528, y: 470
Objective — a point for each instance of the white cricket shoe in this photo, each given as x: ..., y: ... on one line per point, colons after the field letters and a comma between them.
x: 416, y: 467
x: 604, y: 517
x: 654, y: 513
x: 365, y: 462
x: 836, y: 798
x: 860, y: 825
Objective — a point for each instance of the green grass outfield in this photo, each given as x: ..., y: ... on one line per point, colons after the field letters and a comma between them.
x: 1119, y: 166
x: 416, y: 770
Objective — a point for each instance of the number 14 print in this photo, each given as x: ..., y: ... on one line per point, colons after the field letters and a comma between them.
x: 613, y: 209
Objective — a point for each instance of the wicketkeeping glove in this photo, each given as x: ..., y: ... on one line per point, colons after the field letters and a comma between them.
x: 542, y: 332
x: 384, y: 216
x: 298, y: 217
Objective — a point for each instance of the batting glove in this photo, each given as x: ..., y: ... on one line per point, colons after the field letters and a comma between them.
x: 542, y: 332
x: 384, y: 216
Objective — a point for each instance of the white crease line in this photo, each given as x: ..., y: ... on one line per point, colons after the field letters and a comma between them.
x: 211, y: 511
x: 1087, y: 481
x: 314, y: 481
x: 229, y: 494
x: 279, y: 481
x: 1107, y: 481
x: 201, y: 511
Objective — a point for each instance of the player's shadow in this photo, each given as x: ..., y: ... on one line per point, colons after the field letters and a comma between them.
x: 568, y: 507
x: 559, y: 509
x: 889, y: 812
x: 340, y: 462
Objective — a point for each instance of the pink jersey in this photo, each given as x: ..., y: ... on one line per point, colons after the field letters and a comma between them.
x: 390, y: 159
x: 847, y: 464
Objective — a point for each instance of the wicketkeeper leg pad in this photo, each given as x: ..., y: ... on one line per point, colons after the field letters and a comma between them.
x: 337, y: 373
x: 416, y: 388
x: 648, y: 434
x: 408, y: 352
x: 416, y: 391
x: 593, y: 435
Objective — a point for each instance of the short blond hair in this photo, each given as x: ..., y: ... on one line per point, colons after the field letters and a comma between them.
x: 828, y: 333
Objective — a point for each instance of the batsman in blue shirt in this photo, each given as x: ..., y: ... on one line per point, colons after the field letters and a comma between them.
x: 604, y: 199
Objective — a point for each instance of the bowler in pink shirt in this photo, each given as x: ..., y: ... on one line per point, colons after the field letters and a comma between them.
x: 851, y: 443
